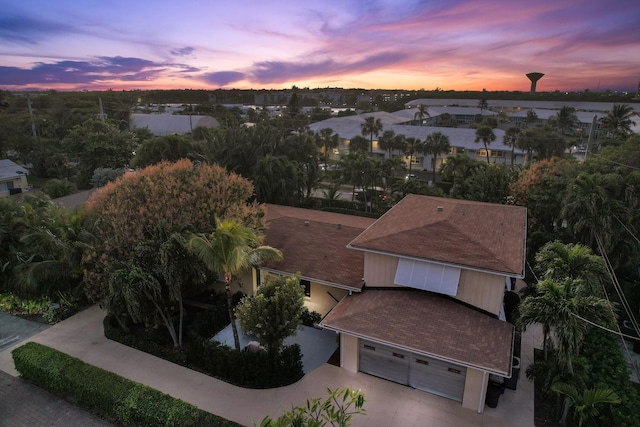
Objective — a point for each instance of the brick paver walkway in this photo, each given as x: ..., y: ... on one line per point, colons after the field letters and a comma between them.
x: 24, y: 404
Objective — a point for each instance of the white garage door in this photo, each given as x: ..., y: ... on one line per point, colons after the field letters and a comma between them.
x: 424, y: 373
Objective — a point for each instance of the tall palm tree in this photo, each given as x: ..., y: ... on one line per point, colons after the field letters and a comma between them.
x: 485, y: 134
x: 558, y: 306
x: 559, y: 261
x: 412, y: 146
x: 589, y: 209
x: 386, y: 141
x: 618, y: 120
x: 421, y: 113
x: 532, y: 117
x: 436, y: 143
x: 371, y: 127
x: 329, y: 140
x: 566, y: 120
x: 482, y: 105
x: 231, y: 249
x: 510, y: 139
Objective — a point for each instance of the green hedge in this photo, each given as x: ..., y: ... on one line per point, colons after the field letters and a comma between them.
x: 241, y: 368
x: 116, y: 398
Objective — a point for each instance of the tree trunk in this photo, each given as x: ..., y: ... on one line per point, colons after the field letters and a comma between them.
x: 181, y: 320
x: 234, y: 328
x: 565, y: 411
x: 486, y: 151
x: 545, y: 336
x: 434, y: 160
x: 166, y: 319
x: 122, y: 324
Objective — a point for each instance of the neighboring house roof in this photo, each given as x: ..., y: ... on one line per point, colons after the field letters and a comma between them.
x: 426, y: 323
x: 583, y: 116
x: 458, y: 137
x: 350, y: 126
x: 167, y: 124
x: 314, y: 244
x: 473, y: 235
x: 602, y: 107
x: 10, y: 170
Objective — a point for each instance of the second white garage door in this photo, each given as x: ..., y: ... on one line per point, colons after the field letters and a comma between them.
x: 421, y: 372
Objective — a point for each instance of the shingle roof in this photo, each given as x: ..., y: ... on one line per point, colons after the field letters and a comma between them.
x: 10, y: 170
x: 428, y: 324
x: 477, y: 235
x: 314, y: 244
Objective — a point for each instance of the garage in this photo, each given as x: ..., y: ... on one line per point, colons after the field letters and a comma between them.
x: 424, y: 373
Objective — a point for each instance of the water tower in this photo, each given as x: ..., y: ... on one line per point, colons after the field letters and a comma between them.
x: 534, y: 77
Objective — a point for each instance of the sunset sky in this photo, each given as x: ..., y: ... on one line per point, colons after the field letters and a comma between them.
x: 391, y: 44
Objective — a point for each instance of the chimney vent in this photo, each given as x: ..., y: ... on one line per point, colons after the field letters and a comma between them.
x: 339, y: 226
x: 440, y: 208
x: 306, y: 223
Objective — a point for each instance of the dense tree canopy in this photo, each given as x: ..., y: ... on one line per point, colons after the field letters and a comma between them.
x: 181, y: 194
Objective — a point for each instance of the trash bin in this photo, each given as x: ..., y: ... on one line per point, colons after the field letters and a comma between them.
x: 512, y: 383
x: 493, y: 395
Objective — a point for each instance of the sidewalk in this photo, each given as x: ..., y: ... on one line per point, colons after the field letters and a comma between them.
x: 387, y: 403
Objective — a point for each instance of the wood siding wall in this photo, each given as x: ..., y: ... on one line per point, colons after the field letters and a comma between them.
x: 482, y: 290
x: 379, y: 270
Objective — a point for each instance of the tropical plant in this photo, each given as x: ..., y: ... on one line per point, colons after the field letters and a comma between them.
x: 510, y: 139
x: 561, y: 306
x: 485, y: 134
x: 274, y: 312
x: 336, y: 410
x: 412, y: 146
x: 483, y: 105
x: 230, y: 249
x: 590, y: 207
x: 617, y: 122
x: 421, y: 113
x: 386, y: 141
x: 566, y: 120
x: 436, y: 143
x: 585, y: 403
x: 559, y: 261
x: 358, y: 144
x: 328, y: 140
x: 371, y: 127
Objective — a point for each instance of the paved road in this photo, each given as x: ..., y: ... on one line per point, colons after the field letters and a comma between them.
x: 14, y: 329
x: 24, y: 404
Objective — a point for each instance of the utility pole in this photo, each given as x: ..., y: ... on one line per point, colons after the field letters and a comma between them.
x: 591, y: 131
x: 101, y: 115
x: 33, y: 124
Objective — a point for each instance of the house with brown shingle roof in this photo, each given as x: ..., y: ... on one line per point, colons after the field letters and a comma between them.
x: 420, y: 290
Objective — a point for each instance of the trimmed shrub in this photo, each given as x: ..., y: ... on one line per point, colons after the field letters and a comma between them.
x: 116, y: 398
x: 55, y: 188
x: 310, y: 318
x: 241, y: 368
x: 150, y: 346
x: 246, y: 369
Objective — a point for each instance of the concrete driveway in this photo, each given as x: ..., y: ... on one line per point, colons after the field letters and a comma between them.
x: 387, y: 403
x: 316, y: 345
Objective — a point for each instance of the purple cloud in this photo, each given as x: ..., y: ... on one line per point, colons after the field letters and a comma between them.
x: 185, y: 51
x: 25, y: 30
x: 282, y: 71
x: 223, y: 78
x: 88, y: 72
